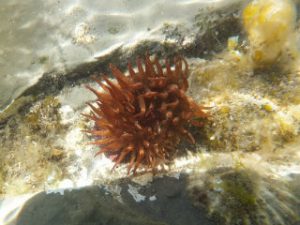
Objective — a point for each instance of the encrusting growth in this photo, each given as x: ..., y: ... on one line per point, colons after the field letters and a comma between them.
x: 141, y: 117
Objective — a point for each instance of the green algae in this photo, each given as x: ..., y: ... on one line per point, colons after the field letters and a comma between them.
x: 234, y: 196
x: 229, y: 195
x: 239, y: 194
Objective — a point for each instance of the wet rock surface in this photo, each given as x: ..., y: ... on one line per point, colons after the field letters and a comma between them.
x: 208, y: 34
x: 165, y: 203
x: 44, y: 48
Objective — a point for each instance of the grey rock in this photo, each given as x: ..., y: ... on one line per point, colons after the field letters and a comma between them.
x: 95, y: 206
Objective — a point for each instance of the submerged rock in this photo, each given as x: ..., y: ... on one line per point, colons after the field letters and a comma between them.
x: 94, y: 205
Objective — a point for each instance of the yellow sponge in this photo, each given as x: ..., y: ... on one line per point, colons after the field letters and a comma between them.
x: 269, y: 25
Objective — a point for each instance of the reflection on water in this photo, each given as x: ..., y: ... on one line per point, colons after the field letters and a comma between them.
x: 37, y: 37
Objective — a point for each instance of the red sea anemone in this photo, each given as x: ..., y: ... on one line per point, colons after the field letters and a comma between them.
x: 140, y: 118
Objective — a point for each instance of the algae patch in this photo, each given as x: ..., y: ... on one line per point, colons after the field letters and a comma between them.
x: 31, y: 150
x: 243, y: 196
x: 249, y: 109
x: 44, y: 117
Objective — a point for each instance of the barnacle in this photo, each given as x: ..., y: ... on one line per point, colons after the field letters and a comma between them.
x: 140, y: 118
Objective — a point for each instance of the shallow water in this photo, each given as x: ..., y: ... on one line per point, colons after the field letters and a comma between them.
x: 38, y: 37
x: 244, y: 167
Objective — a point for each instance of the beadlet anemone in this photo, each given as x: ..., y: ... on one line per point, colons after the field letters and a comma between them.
x: 140, y: 118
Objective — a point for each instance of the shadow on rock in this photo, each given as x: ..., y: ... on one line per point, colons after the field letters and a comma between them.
x: 87, y: 206
x: 164, y: 201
